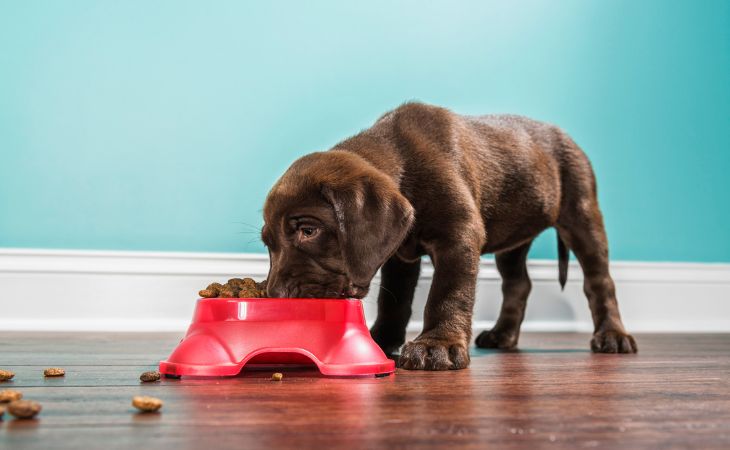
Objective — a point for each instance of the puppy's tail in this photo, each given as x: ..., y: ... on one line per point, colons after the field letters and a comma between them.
x: 563, y: 257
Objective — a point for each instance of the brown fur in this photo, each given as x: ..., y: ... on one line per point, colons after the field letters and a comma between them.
x: 425, y: 181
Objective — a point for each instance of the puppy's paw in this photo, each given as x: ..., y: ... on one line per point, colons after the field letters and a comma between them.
x: 429, y: 353
x: 494, y: 338
x: 613, y: 342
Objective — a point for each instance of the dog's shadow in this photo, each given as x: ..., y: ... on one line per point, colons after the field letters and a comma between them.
x: 475, y: 352
x: 478, y: 352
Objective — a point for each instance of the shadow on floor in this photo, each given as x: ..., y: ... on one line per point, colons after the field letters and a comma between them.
x: 487, y: 352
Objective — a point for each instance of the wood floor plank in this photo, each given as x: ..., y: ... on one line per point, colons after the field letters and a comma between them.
x: 551, y: 394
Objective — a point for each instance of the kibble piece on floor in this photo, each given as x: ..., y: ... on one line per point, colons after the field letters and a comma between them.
x: 277, y: 376
x: 150, y: 376
x: 24, y: 409
x: 54, y: 372
x: 6, y: 375
x: 146, y: 404
x: 8, y: 396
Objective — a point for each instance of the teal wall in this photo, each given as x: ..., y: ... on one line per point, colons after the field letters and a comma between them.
x: 161, y: 125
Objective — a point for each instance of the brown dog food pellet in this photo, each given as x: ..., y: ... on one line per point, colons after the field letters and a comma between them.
x: 228, y: 293
x: 235, y: 288
x: 54, y: 372
x: 150, y: 376
x: 251, y: 293
x: 237, y: 282
x: 211, y: 291
x: 277, y: 376
x: 24, y: 409
x: 6, y: 375
x: 146, y: 404
x: 8, y: 396
x: 249, y: 283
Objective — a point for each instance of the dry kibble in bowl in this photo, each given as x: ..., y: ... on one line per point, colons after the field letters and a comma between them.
x: 6, y: 375
x: 211, y: 291
x: 251, y: 293
x: 24, y: 409
x: 237, y: 282
x: 277, y: 376
x: 248, y: 283
x: 150, y: 376
x: 235, y: 288
x: 8, y: 396
x: 54, y: 372
x: 228, y: 292
x: 146, y: 404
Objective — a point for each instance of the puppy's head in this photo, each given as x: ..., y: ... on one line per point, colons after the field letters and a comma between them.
x: 330, y: 222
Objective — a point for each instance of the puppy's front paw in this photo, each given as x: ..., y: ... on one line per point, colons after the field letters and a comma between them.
x: 613, y: 342
x: 496, y: 339
x: 433, y: 353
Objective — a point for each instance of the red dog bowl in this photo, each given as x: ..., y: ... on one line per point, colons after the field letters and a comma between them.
x: 230, y: 333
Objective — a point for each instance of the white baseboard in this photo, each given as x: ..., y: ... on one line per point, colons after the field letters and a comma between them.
x: 146, y: 291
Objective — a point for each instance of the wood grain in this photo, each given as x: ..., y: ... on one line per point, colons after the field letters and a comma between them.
x: 551, y: 394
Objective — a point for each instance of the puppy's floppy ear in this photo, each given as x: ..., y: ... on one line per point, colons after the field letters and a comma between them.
x: 373, y: 219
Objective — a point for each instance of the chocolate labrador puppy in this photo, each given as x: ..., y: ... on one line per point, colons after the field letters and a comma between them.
x: 426, y: 181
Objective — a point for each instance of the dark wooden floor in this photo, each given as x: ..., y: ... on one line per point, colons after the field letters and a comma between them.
x: 552, y: 394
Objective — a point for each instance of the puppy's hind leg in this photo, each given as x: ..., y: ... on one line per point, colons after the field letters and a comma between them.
x: 398, y: 281
x: 516, y: 286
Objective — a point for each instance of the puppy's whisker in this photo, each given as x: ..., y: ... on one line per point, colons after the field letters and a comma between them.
x: 254, y: 228
x: 247, y: 224
x: 378, y: 285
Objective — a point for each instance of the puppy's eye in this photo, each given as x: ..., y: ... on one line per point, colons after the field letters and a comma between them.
x: 307, y: 231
